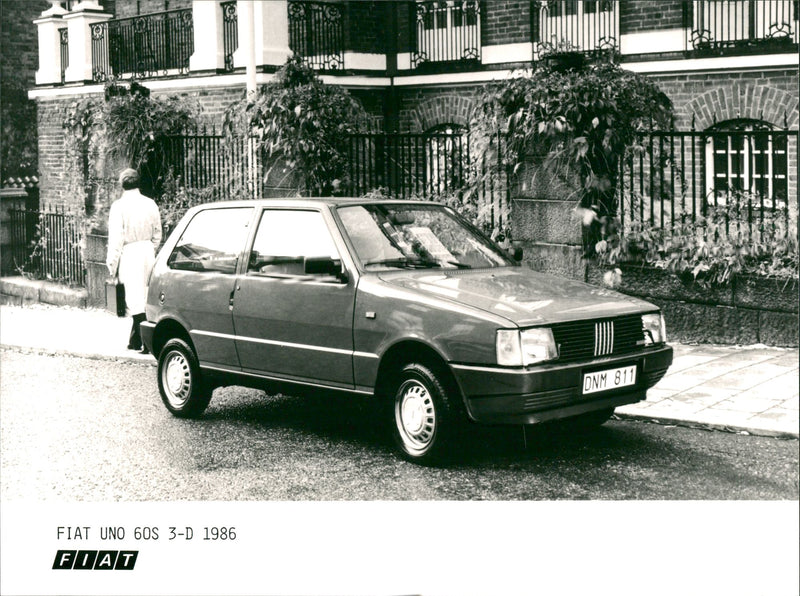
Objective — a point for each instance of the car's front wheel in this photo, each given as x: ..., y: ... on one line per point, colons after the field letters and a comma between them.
x: 425, y: 414
x: 179, y: 381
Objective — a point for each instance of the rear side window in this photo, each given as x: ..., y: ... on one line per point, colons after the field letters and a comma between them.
x: 212, y: 241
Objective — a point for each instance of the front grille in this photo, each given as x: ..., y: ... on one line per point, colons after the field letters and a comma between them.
x: 584, y: 340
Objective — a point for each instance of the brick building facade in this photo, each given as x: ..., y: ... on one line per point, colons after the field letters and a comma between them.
x: 415, y: 66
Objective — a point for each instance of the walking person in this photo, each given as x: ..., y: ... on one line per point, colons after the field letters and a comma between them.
x: 134, y: 234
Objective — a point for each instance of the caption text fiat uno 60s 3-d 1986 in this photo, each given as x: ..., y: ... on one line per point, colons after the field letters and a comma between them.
x: 403, y: 302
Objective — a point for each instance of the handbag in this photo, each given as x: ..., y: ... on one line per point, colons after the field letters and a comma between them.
x: 115, y: 298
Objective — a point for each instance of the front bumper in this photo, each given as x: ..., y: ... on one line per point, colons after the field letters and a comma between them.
x: 495, y: 395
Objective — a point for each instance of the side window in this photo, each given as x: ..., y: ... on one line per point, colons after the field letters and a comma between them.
x: 212, y: 241
x: 285, y: 238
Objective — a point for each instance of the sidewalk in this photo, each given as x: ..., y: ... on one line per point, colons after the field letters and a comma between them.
x: 751, y: 389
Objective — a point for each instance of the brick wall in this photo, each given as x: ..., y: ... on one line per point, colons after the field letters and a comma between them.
x: 366, y: 27
x: 646, y: 15
x: 132, y: 8
x: 422, y: 109
x: 19, y: 58
x: 765, y: 95
x: 506, y: 22
x: 55, y: 171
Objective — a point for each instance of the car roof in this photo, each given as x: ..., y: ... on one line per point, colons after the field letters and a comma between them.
x: 312, y: 202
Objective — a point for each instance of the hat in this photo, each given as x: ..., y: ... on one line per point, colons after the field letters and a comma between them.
x: 128, y: 174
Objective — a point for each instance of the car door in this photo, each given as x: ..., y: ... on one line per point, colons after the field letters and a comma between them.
x: 198, y: 282
x: 291, y: 325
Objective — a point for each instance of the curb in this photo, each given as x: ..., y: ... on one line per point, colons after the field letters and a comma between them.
x: 711, y: 426
x: 145, y: 359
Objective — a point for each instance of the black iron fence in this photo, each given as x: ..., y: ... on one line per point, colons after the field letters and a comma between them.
x: 146, y: 46
x: 441, y: 165
x: 203, y: 159
x: 445, y: 32
x: 677, y: 177
x: 574, y: 26
x: 723, y: 24
x: 316, y: 33
x: 47, y: 244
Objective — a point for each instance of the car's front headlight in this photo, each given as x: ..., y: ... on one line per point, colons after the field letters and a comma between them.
x: 521, y: 348
x: 655, y: 331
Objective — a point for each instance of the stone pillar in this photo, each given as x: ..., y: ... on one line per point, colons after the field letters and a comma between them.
x: 271, y: 31
x: 271, y: 21
x: 245, y: 54
x: 48, y: 24
x: 94, y: 259
x: 209, y: 50
x: 79, y: 24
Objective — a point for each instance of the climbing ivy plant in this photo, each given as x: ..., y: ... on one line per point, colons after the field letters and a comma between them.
x: 573, y: 123
x: 123, y: 128
x: 302, y: 124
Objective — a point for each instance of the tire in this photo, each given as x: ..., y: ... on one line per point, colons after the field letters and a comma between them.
x: 425, y: 415
x: 180, y: 383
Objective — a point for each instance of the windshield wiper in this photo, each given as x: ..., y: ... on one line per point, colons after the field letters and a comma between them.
x: 403, y: 263
x: 458, y: 265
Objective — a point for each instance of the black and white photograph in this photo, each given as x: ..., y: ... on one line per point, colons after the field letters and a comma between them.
x: 399, y: 298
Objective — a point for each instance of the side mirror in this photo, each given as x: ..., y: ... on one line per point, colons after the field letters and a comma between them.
x: 324, y: 266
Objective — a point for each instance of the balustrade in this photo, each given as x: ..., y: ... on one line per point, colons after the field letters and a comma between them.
x: 144, y: 46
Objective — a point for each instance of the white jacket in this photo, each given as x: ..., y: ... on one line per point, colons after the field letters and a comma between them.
x: 134, y: 233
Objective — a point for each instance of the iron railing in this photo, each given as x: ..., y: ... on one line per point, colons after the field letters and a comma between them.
x: 726, y: 24
x: 402, y: 165
x: 674, y: 177
x: 145, y: 46
x: 585, y: 26
x: 230, y: 32
x: 446, y: 31
x: 437, y: 165
x: 204, y: 159
x: 47, y: 243
x: 63, y: 36
x: 316, y: 33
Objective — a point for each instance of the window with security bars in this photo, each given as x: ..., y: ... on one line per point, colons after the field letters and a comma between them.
x: 446, y: 31
x: 747, y: 156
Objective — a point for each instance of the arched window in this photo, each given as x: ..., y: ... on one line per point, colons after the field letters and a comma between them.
x: 446, y: 158
x: 746, y: 157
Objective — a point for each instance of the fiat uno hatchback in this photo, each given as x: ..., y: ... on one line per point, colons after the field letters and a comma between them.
x: 400, y: 301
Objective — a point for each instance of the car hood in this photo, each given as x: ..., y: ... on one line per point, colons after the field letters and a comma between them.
x: 520, y: 295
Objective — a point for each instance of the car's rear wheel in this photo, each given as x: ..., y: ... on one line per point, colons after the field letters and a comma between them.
x: 425, y: 414
x: 180, y: 383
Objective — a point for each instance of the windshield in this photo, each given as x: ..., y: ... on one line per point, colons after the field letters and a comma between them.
x: 397, y: 236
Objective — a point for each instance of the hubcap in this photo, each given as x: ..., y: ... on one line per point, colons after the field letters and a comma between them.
x: 177, y: 379
x: 415, y: 416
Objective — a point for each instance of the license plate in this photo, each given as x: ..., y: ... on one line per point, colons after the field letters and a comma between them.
x: 613, y: 378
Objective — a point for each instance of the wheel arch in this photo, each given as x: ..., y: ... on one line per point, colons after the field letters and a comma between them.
x: 165, y: 330
x: 408, y: 351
